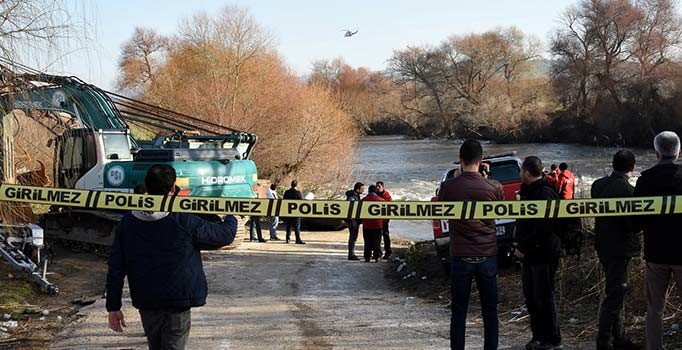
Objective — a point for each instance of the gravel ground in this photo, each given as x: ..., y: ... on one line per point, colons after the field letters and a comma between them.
x: 278, y: 296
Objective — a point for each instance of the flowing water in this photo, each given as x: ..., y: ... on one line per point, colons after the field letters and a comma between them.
x: 411, y: 169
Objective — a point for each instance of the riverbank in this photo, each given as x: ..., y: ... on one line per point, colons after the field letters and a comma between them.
x: 80, y: 277
x: 580, y: 284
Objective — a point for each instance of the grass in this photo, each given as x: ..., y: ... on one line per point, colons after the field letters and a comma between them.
x: 15, y: 292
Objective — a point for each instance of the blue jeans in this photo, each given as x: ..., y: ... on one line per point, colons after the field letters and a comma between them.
x: 462, y: 275
x: 255, y: 224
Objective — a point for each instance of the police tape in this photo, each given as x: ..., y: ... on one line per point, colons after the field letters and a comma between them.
x: 86, y: 199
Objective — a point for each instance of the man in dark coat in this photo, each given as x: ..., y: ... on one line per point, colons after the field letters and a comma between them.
x: 540, y: 248
x: 159, y: 253
x: 353, y: 224
x: 617, y: 241
x: 661, y: 240
x: 473, y: 248
x: 293, y: 223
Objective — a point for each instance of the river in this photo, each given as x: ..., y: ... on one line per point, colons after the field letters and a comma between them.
x: 411, y: 169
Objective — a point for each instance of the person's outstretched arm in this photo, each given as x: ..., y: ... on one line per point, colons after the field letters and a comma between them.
x: 209, y: 235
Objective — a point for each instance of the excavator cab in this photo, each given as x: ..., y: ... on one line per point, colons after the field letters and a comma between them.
x: 82, y: 154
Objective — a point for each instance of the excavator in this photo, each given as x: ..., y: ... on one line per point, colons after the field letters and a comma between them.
x: 94, y: 149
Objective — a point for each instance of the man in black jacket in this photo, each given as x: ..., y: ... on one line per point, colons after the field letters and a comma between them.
x: 293, y: 223
x: 540, y: 249
x: 353, y: 224
x: 662, y: 240
x: 617, y: 241
x: 159, y: 253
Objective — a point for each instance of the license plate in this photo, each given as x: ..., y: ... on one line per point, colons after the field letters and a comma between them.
x: 501, y: 231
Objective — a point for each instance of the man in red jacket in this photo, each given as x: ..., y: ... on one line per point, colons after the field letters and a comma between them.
x: 383, y: 193
x: 566, y: 182
x: 372, y: 228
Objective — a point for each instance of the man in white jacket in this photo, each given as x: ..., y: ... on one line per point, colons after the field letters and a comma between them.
x: 271, y: 193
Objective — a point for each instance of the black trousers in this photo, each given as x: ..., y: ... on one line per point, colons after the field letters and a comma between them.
x: 611, y: 311
x: 293, y: 224
x: 372, y: 239
x: 387, y: 239
x: 353, y: 230
x: 539, y: 290
x: 166, y: 329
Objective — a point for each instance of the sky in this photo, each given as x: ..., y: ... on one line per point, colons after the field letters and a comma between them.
x: 305, y: 30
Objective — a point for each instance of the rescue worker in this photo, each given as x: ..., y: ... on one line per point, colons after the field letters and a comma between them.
x: 293, y: 223
x: 539, y: 248
x: 661, y: 240
x: 383, y: 193
x: 160, y: 255
x: 354, y: 224
x: 372, y: 228
x: 473, y: 248
x: 566, y: 182
x: 617, y: 241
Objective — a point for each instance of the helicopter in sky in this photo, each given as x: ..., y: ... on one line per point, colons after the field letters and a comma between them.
x: 349, y: 33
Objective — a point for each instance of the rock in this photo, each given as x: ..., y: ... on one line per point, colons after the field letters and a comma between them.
x: 30, y: 311
x: 409, y: 301
x: 6, y: 317
x: 424, y: 278
x: 10, y: 276
x: 573, y: 320
x: 59, y: 318
x: 83, y: 301
x: 9, y: 324
x: 42, y: 318
x: 45, y: 312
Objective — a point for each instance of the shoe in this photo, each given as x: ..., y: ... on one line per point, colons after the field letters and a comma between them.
x: 353, y: 257
x: 627, y: 345
x: 275, y: 239
x: 376, y: 260
x: 386, y: 257
x: 548, y: 346
x: 532, y: 344
x: 287, y: 241
x: 300, y: 242
x: 366, y: 260
x: 262, y: 240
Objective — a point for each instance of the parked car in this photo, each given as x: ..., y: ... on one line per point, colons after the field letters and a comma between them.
x: 505, y: 168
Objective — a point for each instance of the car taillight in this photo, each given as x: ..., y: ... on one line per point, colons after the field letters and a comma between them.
x: 184, y: 192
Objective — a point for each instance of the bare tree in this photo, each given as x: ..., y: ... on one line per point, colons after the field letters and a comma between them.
x: 140, y: 57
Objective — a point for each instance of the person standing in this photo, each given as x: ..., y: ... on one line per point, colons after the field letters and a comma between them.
x: 354, y: 224
x: 617, y: 241
x: 383, y: 193
x: 372, y: 228
x: 293, y: 223
x: 661, y: 241
x: 159, y: 253
x: 553, y: 176
x: 566, y: 182
x: 273, y: 221
x: 473, y: 248
x: 539, y: 248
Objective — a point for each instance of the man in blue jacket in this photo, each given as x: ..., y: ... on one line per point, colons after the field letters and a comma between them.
x: 159, y: 253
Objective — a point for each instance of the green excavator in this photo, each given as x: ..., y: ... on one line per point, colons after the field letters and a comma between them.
x: 94, y: 148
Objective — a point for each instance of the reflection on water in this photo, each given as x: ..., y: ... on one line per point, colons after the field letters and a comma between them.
x: 411, y: 168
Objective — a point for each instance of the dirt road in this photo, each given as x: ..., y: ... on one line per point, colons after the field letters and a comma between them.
x: 286, y: 296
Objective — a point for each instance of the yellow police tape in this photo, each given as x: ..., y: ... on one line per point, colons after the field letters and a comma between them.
x: 666, y: 205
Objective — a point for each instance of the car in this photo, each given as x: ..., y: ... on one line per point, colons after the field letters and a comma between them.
x: 505, y: 168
